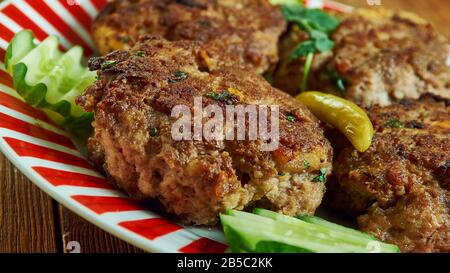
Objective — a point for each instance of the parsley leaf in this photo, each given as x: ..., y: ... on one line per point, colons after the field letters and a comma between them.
x: 139, y: 53
x: 318, y: 24
x: 291, y: 118
x: 303, y: 49
x: 292, y: 13
x: 109, y: 64
x: 320, y: 20
x: 306, y: 164
x: 153, y: 132
x: 223, y: 97
x: 322, y: 177
x: 178, y: 76
x: 394, y: 123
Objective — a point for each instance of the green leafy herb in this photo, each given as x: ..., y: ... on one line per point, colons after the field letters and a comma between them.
x: 306, y: 164
x: 223, y: 96
x: 303, y: 49
x: 337, y: 80
x: 318, y: 24
x: 178, y: 76
x: 291, y: 118
x: 139, y: 53
x: 125, y: 39
x: 108, y: 64
x: 322, y: 177
x: 394, y: 123
x: 281, y: 173
x: 153, y: 132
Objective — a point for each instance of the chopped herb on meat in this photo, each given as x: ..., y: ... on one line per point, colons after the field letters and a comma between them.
x: 291, y: 118
x: 225, y: 97
x: 322, y: 177
x: 125, y: 39
x: 318, y: 24
x: 178, y: 76
x: 394, y: 123
x: 306, y: 164
x: 108, y: 64
x: 139, y: 53
x: 153, y: 132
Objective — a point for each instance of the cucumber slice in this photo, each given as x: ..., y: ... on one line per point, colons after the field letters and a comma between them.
x: 49, y: 79
x: 253, y: 237
x: 342, y: 234
x: 20, y: 45
x: 324, y: 223
x: 41, y: 60
x: 268, y: 231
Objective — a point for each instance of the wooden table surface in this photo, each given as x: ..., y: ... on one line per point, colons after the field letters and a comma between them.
x: 30, y: 221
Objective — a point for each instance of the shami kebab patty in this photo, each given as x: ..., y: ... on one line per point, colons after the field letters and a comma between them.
x: 241, y: 33
x: 382, y: 56
x: 400, y: 186
x: 196, y: 180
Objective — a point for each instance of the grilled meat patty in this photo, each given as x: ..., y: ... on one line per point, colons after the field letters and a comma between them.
x: 241, y: 33
x: 400, y: 186
x: 196, y: 180
x: 382, y: 57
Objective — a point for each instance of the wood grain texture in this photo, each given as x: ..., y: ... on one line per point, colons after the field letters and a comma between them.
x: 30, y: 221
x: 27, y: 222
x: 91, y: 238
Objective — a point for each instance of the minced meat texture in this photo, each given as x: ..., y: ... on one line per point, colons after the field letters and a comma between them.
x: 241, y: 33
x: 196, y: 180
x: 382, y: 56
x: 400, y: 186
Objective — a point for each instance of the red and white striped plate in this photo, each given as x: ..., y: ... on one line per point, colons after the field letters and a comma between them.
x: 47, y: 156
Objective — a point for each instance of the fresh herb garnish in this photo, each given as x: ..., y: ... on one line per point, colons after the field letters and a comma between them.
x: 337, y: 80
x: 178, y: 76
x: 281, y: 173
x: 318, y: 24
x: 394, y: 123
x: 291, y: 118
x: 125, y: 39
x: 108, y: 64
x: 306, y: 164
x: 153, y: 132
x: 222, y: 96
x: 322, y: 177
x: 139, y: 53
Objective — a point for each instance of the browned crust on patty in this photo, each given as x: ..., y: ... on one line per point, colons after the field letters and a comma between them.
x: 384, y: 57
x: 196, y: 180
x: 400, y: 185
x: 241, y: 33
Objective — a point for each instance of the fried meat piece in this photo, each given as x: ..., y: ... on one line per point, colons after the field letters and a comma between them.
x: 381, y: 56
x: 400, y: 186
x: 241, y: 33
x: 196, y: 180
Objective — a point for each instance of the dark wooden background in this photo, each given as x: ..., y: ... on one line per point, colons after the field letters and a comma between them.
x: 30, y: 221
